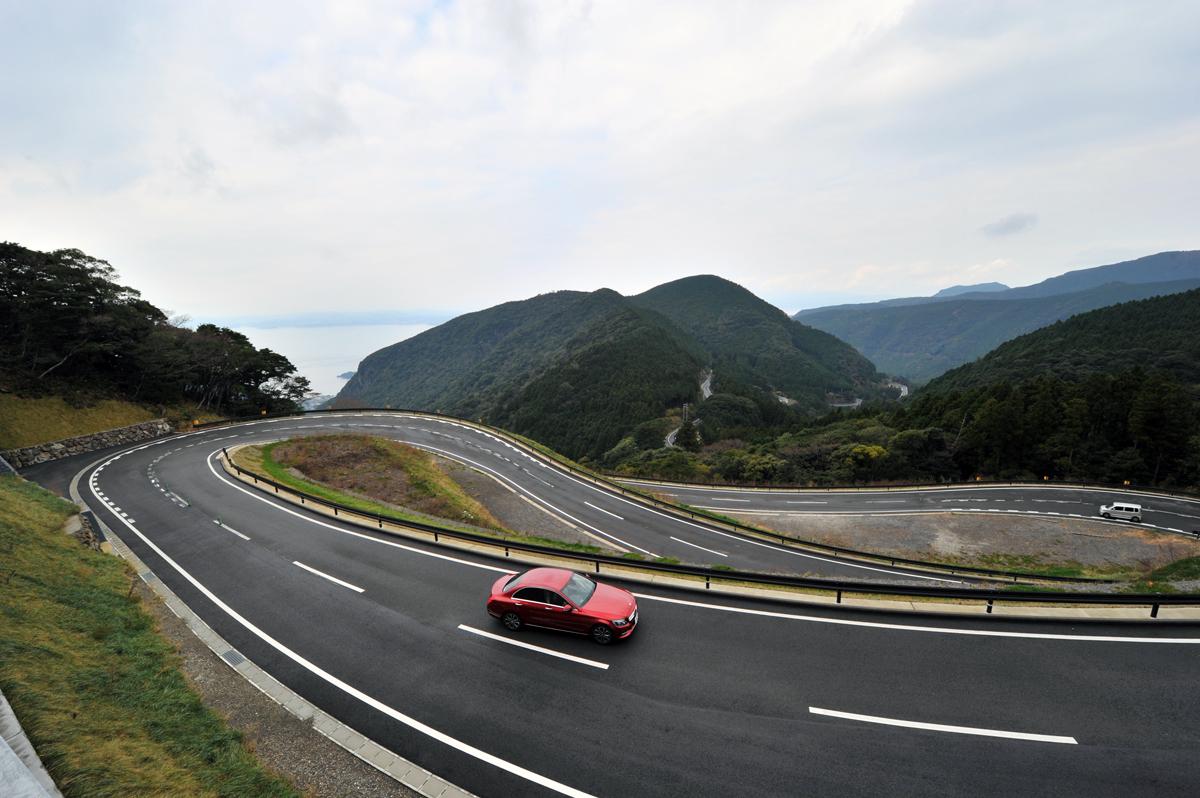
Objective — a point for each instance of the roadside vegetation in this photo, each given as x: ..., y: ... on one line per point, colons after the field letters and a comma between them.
x: 26, y: 421
x: 366, y: 469
x: 98, y: 691
x: 380, y: 469
x: 69, y: 329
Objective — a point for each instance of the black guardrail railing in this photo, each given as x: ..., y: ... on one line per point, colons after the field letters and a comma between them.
x: 694, y: 514
x: 911, y: 486
x: 837, y: 588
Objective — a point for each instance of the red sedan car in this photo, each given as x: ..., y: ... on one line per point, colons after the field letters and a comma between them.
x: 555, y: 598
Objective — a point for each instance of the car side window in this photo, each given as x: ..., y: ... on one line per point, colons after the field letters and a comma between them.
x: 555, y: 599
x: 531, y: 594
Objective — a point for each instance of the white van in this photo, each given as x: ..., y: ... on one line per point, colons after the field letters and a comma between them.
x: 1130, y: 512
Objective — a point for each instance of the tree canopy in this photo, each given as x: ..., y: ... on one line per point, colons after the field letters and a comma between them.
x: 67, y: 326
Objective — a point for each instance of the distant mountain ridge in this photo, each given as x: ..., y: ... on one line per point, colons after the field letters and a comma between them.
x: 922, y: 337
x: 578, y: 370
x: 959, y: 290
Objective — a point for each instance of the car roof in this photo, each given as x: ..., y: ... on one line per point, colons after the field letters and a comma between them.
x: 552, y: 578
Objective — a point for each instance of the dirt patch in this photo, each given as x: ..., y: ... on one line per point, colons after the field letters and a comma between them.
x: 281, y: 741
x: 991, y: 541
x: 384, y: 470
x: 513, y: 511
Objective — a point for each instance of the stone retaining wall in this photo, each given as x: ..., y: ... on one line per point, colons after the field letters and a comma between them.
x: 122, y: 436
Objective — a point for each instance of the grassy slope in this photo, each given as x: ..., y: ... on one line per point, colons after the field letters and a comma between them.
x: 386, y: 470
x: 96, y: 688
x: 26, y: 421
x: 258, y: 459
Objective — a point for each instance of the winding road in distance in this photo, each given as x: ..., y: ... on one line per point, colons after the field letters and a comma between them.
x: 1173, y: 514
x: 711, y: 696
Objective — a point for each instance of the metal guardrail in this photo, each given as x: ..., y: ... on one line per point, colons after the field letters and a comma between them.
x: 911, y: 486
x: 742, y: 529
x: 711, y: 576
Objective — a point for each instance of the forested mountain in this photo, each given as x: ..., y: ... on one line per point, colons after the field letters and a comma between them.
x: 578, y: 371
x: 67, y: 327
x: 1157, y: 335
x: 923, y: 341
x: 1106, y: 396
x: 750, y: 341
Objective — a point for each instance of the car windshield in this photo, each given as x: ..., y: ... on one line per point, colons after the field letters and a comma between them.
x: 578, y: 589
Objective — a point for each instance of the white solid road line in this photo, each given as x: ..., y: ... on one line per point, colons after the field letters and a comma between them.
x: 549, y: 651
x: 912, y: 724
x: 333, y: 579
x: 536, y: 498
x: 601, y: 509
x: 231, y: 529
x: 350, y: 532
x: 694, y: 546
x: 374, y: 703
x: 904, y: 627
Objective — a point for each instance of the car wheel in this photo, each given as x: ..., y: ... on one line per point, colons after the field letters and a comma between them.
x: 1137, y: 519
x: 602, y: 634
x: 1108, y: 516
x: 511, y: 621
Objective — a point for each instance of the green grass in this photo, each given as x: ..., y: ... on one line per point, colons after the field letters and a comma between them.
x: 1035, y: 566
x: 26, y: 421
x: 391, y: 473
x: 29, y: 421
x: 97, y: 689
x: 1187, y: 568
x: 1160, y: 580
x: 257, y: 460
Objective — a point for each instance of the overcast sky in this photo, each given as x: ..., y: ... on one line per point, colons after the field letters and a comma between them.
x: 288, y: 159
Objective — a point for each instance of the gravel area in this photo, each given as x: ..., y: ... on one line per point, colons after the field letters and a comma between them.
x: 510, y: 509
x: 317, y: 766
x: 990, y: 540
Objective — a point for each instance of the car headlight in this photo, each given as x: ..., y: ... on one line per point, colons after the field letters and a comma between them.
x: 620, y: 622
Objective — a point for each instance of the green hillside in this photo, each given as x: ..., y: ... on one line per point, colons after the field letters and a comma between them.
x: 578, y: 371
x: 1106, y: 396
x: 464, y: 365
x: 921, y: 341
x: 573, y: 370
x: 1159, y: 334
x: 750, y: 341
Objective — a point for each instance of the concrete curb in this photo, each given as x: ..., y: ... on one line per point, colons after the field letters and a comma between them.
x: 402, y: 770
x: 21, y: 771
x: 1017, y: 609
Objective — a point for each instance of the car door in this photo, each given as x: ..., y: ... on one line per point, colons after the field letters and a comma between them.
x: 533, y: 608
x: 564, y: 614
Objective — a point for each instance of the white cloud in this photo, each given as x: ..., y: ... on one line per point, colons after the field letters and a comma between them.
x: 234, y: 159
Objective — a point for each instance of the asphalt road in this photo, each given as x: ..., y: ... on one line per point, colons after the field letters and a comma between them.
x: 609, y: 517
x: 707, y: 698
x: 1167, y: 513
